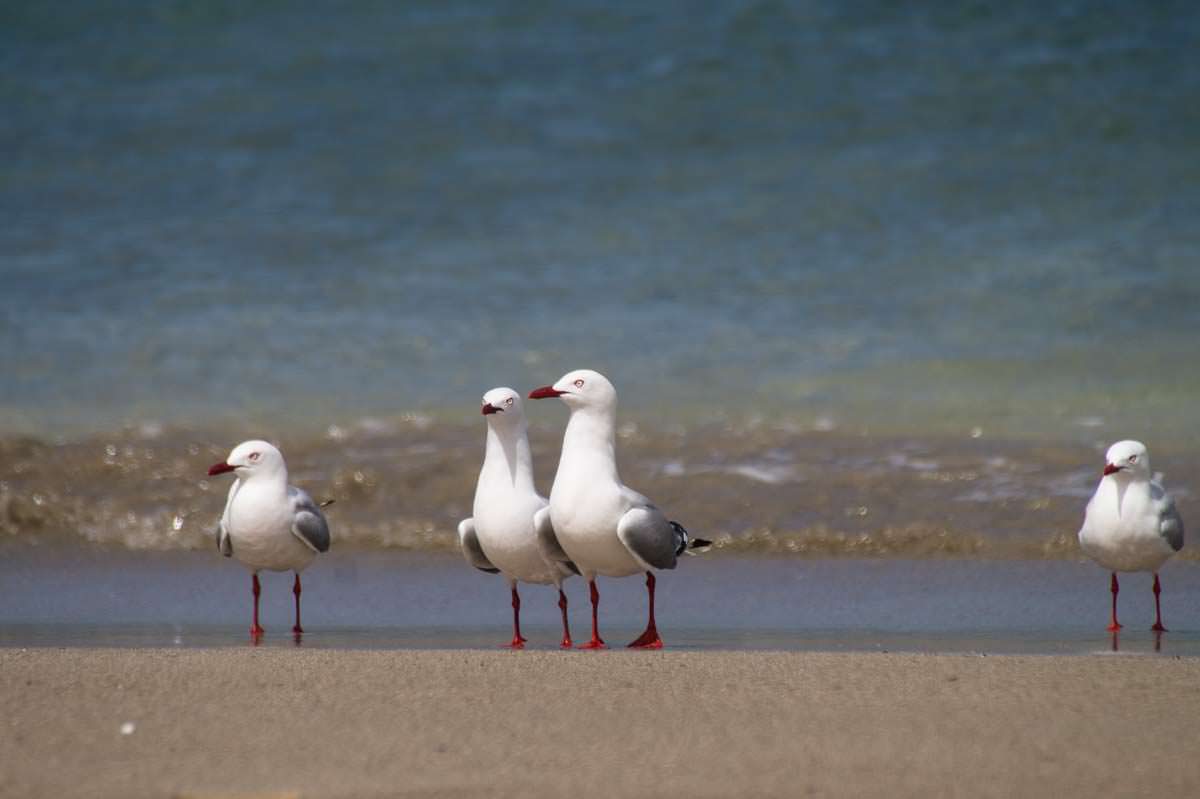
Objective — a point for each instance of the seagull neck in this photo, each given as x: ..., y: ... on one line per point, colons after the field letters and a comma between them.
x: 1126, y: 487
x: 272, y: 482
x: 507, y: 455
x: 591, y: 436
x: 1123, y: 480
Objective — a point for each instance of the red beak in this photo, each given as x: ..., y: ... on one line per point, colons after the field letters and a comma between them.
x: 1110, y: 469
x: 219, y: 468
x: 488, y: 409
x: 545, y: 392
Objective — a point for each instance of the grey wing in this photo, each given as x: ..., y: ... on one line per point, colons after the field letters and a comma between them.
x: 224, y: 542
x: 308, y: 523
x: 547, y: 541
x: 1170, y: 524
x: 471, y: 549
x: 648, y: 536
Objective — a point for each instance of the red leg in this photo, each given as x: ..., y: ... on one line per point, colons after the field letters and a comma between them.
x: 597, y: 642
x: 518, y: 641
x: 296, y: 590
x: 255, y: 628
x: 1115, y: 587
x: 1158, y: 625
x: 562, y: 605
x: 649, y: 639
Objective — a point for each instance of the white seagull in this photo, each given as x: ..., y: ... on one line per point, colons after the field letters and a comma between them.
x: 268, y: 524
x: 603, y: 526
x: 501, y: 536
x: 1131, y: 524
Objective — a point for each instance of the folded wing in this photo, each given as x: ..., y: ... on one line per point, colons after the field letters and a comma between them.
x: 308, y: 522
x: 1170, y: 525
x: 649, y: 536
x: 547, y: 541
x: 471, y: 550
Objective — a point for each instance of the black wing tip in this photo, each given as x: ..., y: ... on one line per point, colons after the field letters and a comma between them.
x: 571, y: 565
x: 686, y: 542
x: 489, y: 571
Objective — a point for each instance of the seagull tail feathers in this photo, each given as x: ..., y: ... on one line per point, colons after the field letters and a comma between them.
x: 685, y: 543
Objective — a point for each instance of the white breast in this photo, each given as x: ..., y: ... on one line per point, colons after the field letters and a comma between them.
x: 260, y: 528
x: 504, y: 526
x: 585, y: 514
x: 1122, y: 529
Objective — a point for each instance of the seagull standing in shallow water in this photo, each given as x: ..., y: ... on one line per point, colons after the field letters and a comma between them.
x: 502, y: 535
x: 268, y: 524
x: 1131, y: 523
x: 603, y: 526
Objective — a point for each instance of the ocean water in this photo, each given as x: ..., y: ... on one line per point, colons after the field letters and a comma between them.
x: 870, y: 279
x: 921, y: 217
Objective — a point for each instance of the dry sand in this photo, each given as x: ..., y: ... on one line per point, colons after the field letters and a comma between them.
x: 470, y: 723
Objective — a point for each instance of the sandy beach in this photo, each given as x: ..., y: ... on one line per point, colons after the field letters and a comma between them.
x: 245, y: 722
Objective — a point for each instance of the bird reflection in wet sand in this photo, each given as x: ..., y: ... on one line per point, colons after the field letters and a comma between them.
x: 1115, y: 636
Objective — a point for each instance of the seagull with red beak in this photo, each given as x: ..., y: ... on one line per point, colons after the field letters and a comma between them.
x: 268, y: 524
x: 604, y: 527
x: 1131, y: 524
x: 501, y: 536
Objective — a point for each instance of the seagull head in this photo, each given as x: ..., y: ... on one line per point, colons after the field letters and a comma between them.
x: 250, y: 458
x: 580, y: 389
x: 502, y: 406
x: 1127, y: 458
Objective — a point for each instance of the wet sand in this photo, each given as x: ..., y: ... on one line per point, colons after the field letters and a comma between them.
x: 85, y: 597
x: 245, y: 722
x: 398, y: 600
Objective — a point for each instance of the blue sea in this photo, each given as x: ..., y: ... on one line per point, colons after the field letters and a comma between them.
x: 929, y: 217
x: 874, y: 281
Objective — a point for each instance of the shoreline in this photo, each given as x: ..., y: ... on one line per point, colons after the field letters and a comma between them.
x: 750, y: 490
x: 148, y: 722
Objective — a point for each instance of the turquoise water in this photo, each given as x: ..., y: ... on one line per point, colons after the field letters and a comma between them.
x: 918, y: 218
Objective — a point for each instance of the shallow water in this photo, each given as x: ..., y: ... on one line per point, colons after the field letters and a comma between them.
x: 395, y: 600
x: 403, y: 484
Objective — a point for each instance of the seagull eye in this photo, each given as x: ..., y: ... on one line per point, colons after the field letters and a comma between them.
x: 579, y: 384
x: 508, y: 401
x: 1133, y: 458
x: 255, y: 456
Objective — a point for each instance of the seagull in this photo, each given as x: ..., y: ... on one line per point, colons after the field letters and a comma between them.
x: 268, y: 524
x: 1131, y: 524
x: 501, y: 536
x: 603, y: 526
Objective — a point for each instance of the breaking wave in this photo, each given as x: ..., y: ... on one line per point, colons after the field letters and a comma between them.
x: 404, y: 484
